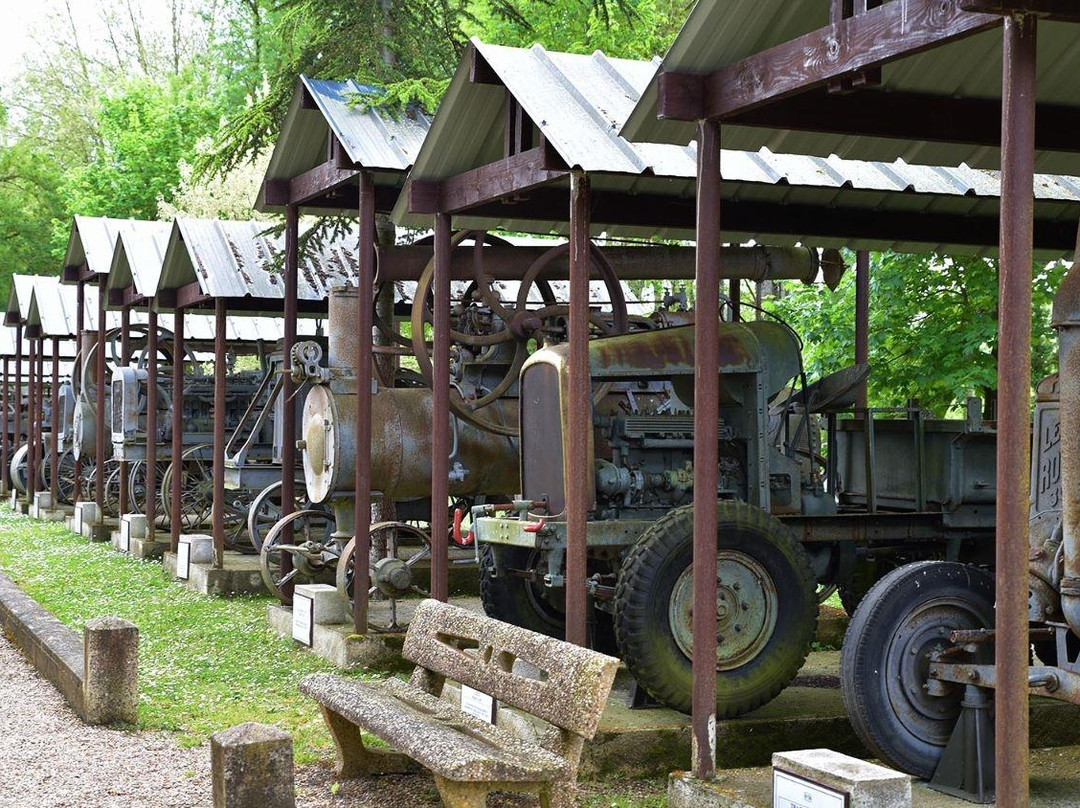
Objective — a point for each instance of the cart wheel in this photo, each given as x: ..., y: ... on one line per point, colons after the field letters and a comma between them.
x: 111, y: 503
x: 313, y: 549
x: 884, y: 662
x: 17, y: 468
x: 66, y: 477
x: 265, y: 510
x: 515, y: 599
x: 762, y: 638
x: 392, y: 577
x: 137, y: 484
x: 196, y: 484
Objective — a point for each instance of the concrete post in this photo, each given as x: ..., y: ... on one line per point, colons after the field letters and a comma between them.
x: 110, y: 675
x: 252, y: 767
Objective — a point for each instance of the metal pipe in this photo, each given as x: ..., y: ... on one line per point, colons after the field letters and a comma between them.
x: 735, y: 296
x: 125, y: 360
x: 54, y: 426
x: 706, y: 434
x: 16, y: 435
x: 32, y: 417
x: 361, y: 485
x: 579, y: 413
x: 1014, y: 390
x: 217, y: 506
x: 99, y: 381
x: 653, y: 262
x: 440, y: 435
x: 177, y: 430
x: 151, y: 420
x: 288, y: 387
x: 862, y: 320
x: 80, y: 359
x: 39, y: 426
x: 5, y: 444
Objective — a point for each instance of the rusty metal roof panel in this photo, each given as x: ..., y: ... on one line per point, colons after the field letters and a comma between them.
x: 138, y: 254
x: 723, y: 32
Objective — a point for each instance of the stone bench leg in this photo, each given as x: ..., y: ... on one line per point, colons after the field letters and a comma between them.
x: 474, y: 795
x: 355, y: 759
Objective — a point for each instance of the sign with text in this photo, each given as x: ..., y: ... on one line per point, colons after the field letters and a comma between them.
x: 76, y: 521
x: 478, y: 704
x: 183, y: 560
x: 303, y: 619
x: 125, y: 535
x: 790, y: 791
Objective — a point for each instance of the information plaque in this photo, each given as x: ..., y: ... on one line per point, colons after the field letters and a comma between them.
x: 479, y: 704
x: 183, y: 560
x: 791, y: 791
x: 303, y: 619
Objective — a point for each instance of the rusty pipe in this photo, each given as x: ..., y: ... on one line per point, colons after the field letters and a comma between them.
x: 1066, y: 320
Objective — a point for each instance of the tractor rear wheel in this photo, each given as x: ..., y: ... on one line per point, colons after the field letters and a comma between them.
x: 517, y: 600
x: 885, y: 660
x: 766, y: 608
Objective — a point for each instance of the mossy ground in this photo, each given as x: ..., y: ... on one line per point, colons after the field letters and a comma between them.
x: 205, y: 664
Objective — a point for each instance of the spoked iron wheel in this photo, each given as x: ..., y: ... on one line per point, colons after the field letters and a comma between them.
x: 196, y: 487
x: 137, y: 484
x: 66, y: 477
x: 265, y: 510
x: 111, y: 503
x: 393, y: 577
x: 313, y: 549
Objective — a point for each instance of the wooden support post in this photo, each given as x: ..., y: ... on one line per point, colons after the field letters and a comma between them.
x: 217, y: 513
x: 151, y: 420
x: 1014, y: 393
x: 364, y: 321
x: 706, y: 435
x: 862, y: 320
x: 288, y: 389
x: 177, y: 482
x: 577, y: 483
x: 440, y: 411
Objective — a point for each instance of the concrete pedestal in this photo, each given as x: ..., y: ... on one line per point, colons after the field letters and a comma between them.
x: 341, y: 647
x: 328, y: 607
x: 865, y: 784
x: 252, y: 767
x: 110, y: 683
x: 239, y: 575
x: 41, y: 505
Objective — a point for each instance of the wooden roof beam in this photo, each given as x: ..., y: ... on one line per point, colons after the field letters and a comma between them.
x: 1058, y: 10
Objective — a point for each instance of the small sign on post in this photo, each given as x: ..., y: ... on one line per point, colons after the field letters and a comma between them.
x: 790, y: 791
x: 303, y: 619
x: 183, y: 560
x: 125, y: 535
x: 76, y: 517
x: 478, y: 704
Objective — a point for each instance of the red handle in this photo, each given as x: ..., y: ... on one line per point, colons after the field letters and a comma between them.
x: 467, y: 539
x: 535, y: 527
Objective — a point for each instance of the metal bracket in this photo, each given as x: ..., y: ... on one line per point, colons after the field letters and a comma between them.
x: 966, y: 768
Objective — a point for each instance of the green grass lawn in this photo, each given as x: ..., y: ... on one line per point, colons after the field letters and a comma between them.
x: 205, y: 664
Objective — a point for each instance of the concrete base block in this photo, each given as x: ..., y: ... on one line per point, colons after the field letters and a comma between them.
x: 252, y: 767
x: 18, y: 505
x: 202, y: 547
x: 239, y: 576
x: 341, y: 647
x: 43, y: 501
x: 867, y: 785
x: 86, y: 514
x: 53, y: 516
x: 686, y: 791
x: 328, y: 607
x: 146, y: 548
x: 110, y: 683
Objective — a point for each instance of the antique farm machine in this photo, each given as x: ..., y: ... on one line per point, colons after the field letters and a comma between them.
x: 918, y: 669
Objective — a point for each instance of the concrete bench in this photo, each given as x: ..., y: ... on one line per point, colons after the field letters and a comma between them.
x: 468, y: 756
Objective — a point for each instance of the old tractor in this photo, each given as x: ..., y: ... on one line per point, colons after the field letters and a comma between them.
x: 811, y: 495
x: 918, y: 670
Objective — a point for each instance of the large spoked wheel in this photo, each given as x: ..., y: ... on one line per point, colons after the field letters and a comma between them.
x: 884, y: 665
x: 393, y: 577
x: 111, y: 503
x: 196, y: 486
x: 265, y: 510
x: 766, y: 608
x: 137, y: 484
x: 313, y: 548
x: 18, y: 468
x: 66, y: 477
x: 509, y: 596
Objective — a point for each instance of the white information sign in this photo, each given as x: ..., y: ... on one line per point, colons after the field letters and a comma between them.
x: 303, y: 619
x: 125, y: 535
x: 183, y: 560
x: 77, y: 520
x: 790, y: 791
x: 479, y: 704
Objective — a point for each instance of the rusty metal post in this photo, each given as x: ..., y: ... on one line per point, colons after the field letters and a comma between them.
x: 862, y: 320
x: 125, y: 360
x: 217, y: 505
x: 99, y: 381
x: 735, y: 296
x: 39, y: 426
x: 33, y: 418
x: 362, y: 484
x: 80, y: 326
x: 177, y: 487
x: 54, y: 426
x: 5, y: 443
x: 579, y: 413
x: 706, y: 435
x: 440, y: 411
x: 1014, y: 392
x: 288, y: 387
x: 151, y: 420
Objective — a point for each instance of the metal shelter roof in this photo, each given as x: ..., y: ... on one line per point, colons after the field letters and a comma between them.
x: 237, y: 260
x: 53, y: 307
x: 382, y: 141
x: 91, y: 242
x: 723, y: 32
x: 137, y: 256
x: 19, y: 299
x: 580, y: 102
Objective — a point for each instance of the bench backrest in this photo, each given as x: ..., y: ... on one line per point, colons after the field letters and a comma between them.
x: 480, y: 652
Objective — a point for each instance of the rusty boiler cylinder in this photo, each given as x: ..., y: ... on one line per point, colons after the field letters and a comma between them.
x: 400, y: 446
x: 343, y: 339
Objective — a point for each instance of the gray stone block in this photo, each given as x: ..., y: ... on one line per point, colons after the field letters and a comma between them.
x: 86, y: 514
x: 867, y: 784
x: 202, y: 548
x: 328, y: 607
x: 252, y: 767
x: 110, y: 681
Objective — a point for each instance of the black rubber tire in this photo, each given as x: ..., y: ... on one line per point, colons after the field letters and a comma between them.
x: 508, y: 597
x: 862, y: 580
x: 873, y: 684
x: 646, y: 580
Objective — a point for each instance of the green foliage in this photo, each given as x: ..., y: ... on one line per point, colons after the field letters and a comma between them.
x: 933, y: 327
x: 29, y: 202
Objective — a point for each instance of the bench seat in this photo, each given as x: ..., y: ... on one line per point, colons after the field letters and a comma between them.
x: 434, y: 733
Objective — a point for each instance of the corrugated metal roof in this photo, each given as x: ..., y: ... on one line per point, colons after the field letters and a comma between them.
x: 722, y: 32
x: 138, y: 254
x: 53, y: 307
x: 580, y: 103
x: 381, y: 141
x: 237, y: 259
x: 20, y: 297
x: 91, y: 242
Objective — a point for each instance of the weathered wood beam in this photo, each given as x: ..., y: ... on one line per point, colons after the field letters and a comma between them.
x: 511, y: 175
x: 318, y: 181
x: 1059, y: 10
x: 912, y: 116
x: 856, y: 44
x: 77, y: 274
